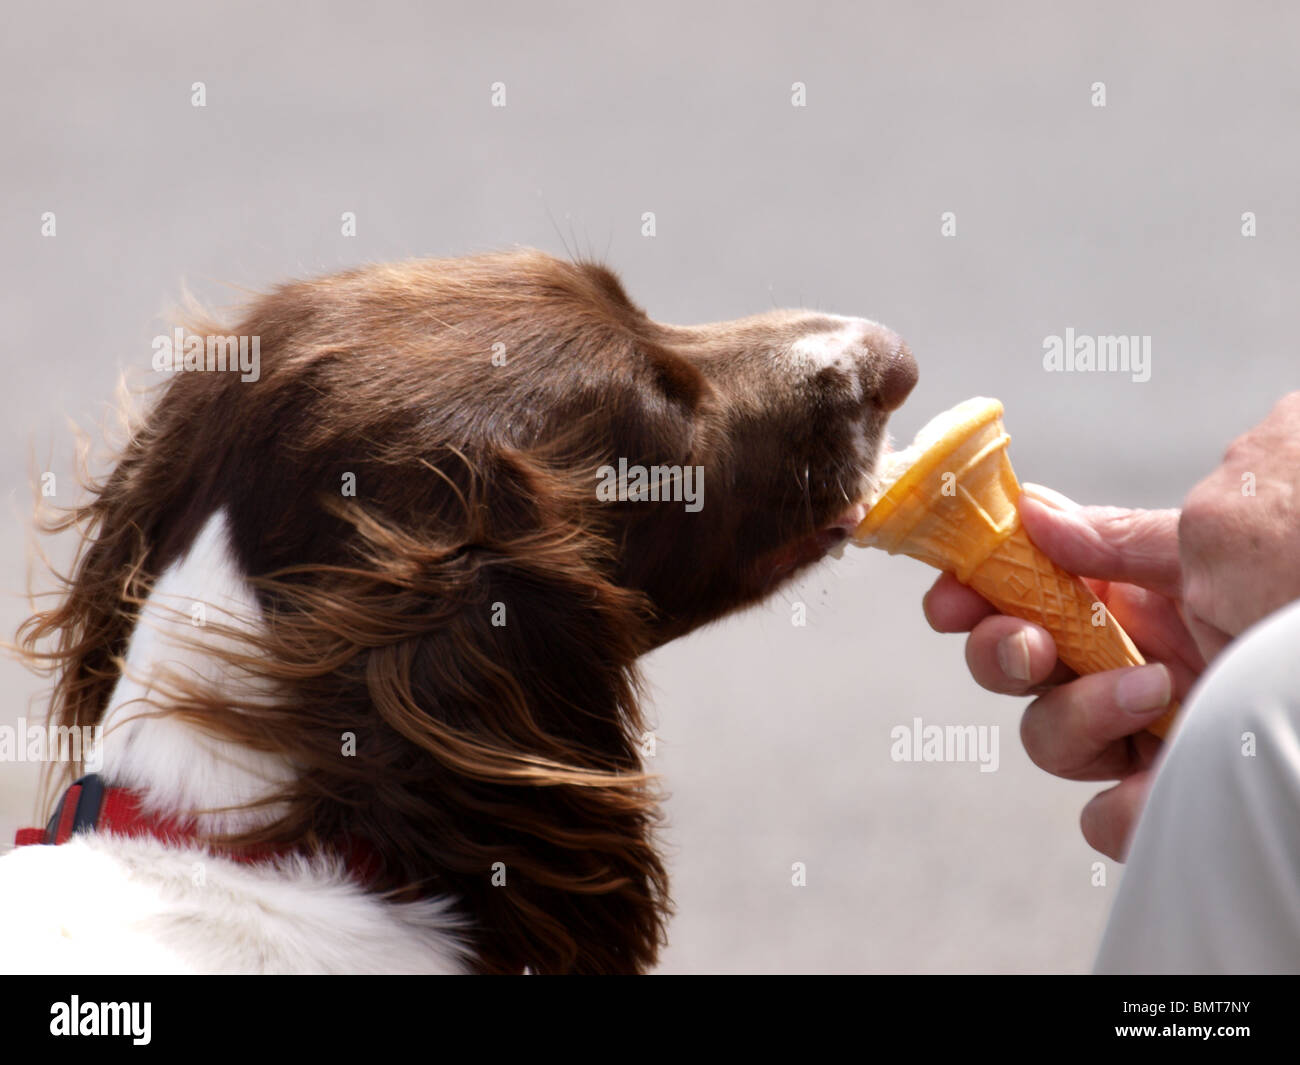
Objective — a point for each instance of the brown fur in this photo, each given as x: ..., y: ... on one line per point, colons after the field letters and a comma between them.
x: 477, y: 743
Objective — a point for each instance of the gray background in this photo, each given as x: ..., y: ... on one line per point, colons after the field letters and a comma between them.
x: 774, y: 739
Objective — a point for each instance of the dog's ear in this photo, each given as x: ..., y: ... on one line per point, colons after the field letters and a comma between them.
x: 517, y: 775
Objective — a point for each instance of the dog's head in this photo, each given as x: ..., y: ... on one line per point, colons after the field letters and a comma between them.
x: 717, y: 459
x: 469, y: 493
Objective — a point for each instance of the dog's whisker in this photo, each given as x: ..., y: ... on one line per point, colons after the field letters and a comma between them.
x: 375, y: 602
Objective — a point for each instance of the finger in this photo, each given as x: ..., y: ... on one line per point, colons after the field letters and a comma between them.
x: 1110, y: 816
x: 952, y: 607
x: 1010, y: 656
x: 1092, y: 728
x: 1156, y: 626
x: 1137, y: 546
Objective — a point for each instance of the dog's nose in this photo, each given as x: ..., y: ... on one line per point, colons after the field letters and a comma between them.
x: 898, y: 375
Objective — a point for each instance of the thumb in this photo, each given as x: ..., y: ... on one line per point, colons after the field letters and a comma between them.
x: 1108, y: 543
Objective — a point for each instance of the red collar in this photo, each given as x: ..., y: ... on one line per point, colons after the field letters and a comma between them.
x: 91, y: 805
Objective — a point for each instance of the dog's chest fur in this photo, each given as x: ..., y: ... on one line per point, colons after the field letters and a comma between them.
x: 109, y: 904
x: 103, y: 904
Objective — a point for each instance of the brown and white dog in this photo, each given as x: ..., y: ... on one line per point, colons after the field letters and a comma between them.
x: 377, y: 603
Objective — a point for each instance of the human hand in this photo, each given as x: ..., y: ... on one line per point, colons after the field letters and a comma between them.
x: 1240, y: 532
x: 1090, y: 727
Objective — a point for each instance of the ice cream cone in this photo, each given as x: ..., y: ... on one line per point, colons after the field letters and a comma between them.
x: 953, y: 506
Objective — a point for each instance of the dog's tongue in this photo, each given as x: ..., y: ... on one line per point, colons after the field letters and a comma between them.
x: 829, y: 539
x: 851, y: 518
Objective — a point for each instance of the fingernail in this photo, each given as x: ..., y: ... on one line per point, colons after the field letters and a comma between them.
x: 1049, y: 497
x: 1013, y: 656
x: 1144, y: 688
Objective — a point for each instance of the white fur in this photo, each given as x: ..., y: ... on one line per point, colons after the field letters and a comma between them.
x: 102, y: 903
x: 106, y: 904
x: 174, y: 765
x: 841, y: 347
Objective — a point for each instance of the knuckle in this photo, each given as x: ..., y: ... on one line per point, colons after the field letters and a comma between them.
x: 1202, y: 509
x: 1288, y: 404
x: 1040, y: 728
x: 1240, y: 449
x: 1031, y: 725
x: 1096, y: 823
x: 1198, y: 594
x: 1127, y: 531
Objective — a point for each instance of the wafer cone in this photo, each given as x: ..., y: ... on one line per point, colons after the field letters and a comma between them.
x: 954, y: 507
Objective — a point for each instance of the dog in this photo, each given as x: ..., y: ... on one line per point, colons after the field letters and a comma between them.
x: 359, y: 630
